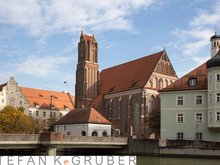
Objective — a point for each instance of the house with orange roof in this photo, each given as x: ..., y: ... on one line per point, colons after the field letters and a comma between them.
x: 190, y: 107
x: 84, y: 122
x: 38, y: 103
x: 124, y: 94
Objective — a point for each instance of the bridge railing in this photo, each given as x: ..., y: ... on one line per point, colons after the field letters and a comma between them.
x: 19, y: 137
x: 56, y: 137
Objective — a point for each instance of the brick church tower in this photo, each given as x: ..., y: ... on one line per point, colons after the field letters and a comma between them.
x: 87, y: 73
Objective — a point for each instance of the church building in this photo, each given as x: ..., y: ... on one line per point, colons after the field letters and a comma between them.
x: 125, y: 94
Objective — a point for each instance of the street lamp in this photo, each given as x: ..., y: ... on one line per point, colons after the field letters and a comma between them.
x: 51, y: 106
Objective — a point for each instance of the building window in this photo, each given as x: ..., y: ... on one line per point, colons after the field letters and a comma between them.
x: 210, y: 116
x: 83, y: 133
x: 44, y: 114
x: 2, y: 100
x: 94, y: 133
x: 12, y: 101
x: 57, y: 128
x: 198, y: 117
x: 210, y: 98
x: 104, y: 133
x: 64, y: 127
x: 217, y: 77
x: 51, y: 114
x: 218, y: 116
x: 180, y: 118
x: 61, y: 115
x: 54, y: 114
x: 180, y: 100
x: 180, y: 135
x: 20, y: 102
x: 192, y: 82
x: 30, y: 113
x: 199, y: 136
x: 199, y: 99
x: 217, y: 97
x: 37, y: 113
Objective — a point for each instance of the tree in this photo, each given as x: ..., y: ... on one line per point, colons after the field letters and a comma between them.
x: 153, y: 121
x: 13, y: 120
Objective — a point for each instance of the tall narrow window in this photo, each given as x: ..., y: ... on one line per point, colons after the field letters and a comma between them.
x: 180, y: 118
x: 199, y: 99
x: 199, y: 136
x: 217, y: 97
x: 180, y: 100
x: 217, y: 77
x: 37, y: 113
x: 218, y: 116
x: 180, y: 135
x: 198, y: 117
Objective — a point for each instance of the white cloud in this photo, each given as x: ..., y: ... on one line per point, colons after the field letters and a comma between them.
x: 195, y: 40
x: 42, y: 66
x: 53, y: 16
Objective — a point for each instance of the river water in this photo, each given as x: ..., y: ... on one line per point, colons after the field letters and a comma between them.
x: 148, y: 160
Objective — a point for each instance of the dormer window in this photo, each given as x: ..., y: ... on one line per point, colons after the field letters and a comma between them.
x: 192, y: 81
x: 66, y: 107
x: 36, y: 104
x: 112, y: 89
x: 134, y: 84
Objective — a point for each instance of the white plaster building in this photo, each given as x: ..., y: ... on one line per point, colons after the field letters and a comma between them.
x: 38, y: 103
x: 190, y: 107
x: 83, y: 122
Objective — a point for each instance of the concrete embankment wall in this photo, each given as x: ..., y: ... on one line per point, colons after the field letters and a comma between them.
x: 142, y: 147
x: 174, y: 148
x: 189, y: 152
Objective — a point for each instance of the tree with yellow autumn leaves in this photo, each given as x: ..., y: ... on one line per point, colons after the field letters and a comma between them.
x: 13, y: 120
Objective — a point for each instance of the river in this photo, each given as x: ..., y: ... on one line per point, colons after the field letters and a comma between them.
x: 148, y: 160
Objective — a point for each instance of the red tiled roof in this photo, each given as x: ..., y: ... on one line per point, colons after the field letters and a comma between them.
x: 42, y: 98
x: 80, y: 116
x: 199, y: 73
x: 130, y: 75
x: 97, y: 102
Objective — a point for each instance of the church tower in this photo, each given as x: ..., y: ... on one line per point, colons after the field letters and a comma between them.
x: 87, y: 73
x: 215, y: 42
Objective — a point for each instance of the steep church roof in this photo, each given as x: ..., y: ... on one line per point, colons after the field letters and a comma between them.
x: 42, y: 98
x: 200, y: 74
x: 81, y: 116
x: 130, y: 75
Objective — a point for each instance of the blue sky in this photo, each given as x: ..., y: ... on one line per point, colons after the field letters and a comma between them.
x: 38, y: 39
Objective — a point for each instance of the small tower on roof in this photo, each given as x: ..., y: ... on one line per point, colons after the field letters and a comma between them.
x: 215, y: 44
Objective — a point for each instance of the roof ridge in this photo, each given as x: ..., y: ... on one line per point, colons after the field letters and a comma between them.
x: 43, y: 90
x: 146, y: 56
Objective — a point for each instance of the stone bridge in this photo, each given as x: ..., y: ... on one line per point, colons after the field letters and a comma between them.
x: 54, y: 141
